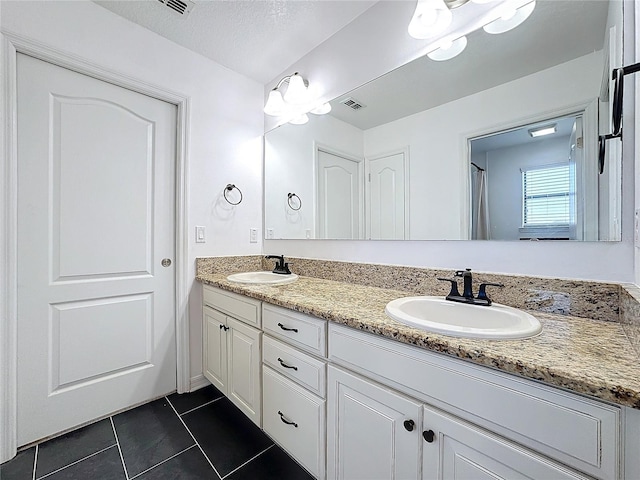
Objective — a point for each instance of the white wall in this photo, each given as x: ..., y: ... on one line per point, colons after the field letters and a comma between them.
x: 437, y: 138
x: 348, y: 60
x: 289, y: 159
x: 504, y: 181
x: 226, y: 121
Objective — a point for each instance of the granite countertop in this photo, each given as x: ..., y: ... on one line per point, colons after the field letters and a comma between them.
x: 585, y: 356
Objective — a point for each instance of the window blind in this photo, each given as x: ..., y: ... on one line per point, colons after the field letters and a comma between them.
x: 547, y: 196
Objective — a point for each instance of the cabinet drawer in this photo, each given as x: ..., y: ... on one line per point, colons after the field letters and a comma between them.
x: 301, y: 330
x: 576, y: 431
x: 238, y: 306
x: 295, y: 418
x: 292, y: 363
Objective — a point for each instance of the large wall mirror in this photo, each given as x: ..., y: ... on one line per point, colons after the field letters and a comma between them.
x: 451, y: 150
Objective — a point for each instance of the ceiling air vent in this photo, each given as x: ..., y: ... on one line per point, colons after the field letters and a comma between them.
x: 181, y: 7
x: 353, y: 103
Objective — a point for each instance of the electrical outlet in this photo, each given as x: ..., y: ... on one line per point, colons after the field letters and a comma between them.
x: 200, y: 235
x: 270, y: 233
x: 308, y: 233
x: 253, y: 235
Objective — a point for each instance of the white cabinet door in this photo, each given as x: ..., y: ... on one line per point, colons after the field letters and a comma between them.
x: 244, y: 361
x: 372, y: 433
x: 215, y: 348
x: 456, y: 450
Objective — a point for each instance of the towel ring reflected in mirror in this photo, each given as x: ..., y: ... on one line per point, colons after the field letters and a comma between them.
x: 290, y: 197
x: 229, y: 188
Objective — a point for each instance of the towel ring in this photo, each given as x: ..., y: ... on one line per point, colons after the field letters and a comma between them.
x: 228, y: 188
x: 289, y: 197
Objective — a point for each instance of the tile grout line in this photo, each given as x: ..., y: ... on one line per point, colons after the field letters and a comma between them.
x: 200, y: 406
x: 76, y: 462
x: 194, y: 438
x: 250, y: 460
x: 35, y: 462
x: 115, y: 434
x: 163, y: 461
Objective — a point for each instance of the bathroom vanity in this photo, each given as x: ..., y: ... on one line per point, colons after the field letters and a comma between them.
x: 350, y: 393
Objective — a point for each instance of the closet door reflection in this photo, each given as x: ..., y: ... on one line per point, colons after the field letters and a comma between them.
x: 339, y: 195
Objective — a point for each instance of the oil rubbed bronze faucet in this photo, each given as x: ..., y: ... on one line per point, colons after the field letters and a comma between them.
x: 281, y: 267
x: 467, y: 289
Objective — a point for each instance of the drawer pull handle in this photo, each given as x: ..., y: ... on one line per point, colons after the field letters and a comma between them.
x: 285, y: 365
x: 284, y: 420
x: 286, y: 329
x: 224, y: 327
x: 408, y: 425
x: 428, y: 436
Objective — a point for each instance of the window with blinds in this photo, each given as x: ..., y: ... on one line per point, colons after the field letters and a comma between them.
x: 547, y: 195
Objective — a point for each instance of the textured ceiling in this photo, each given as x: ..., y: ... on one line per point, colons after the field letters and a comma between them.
x: 257, y: 38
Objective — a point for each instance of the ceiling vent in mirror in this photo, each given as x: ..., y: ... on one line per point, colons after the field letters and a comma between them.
x: 181, y: 7
x: 353, y: 103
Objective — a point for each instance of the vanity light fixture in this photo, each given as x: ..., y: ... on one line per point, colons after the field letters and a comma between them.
x: 430, y: 18
x: 296, y: 94
x: 448, y: 49
x: 295, y: 103
x: 510, y: 18
x: 542, y: 131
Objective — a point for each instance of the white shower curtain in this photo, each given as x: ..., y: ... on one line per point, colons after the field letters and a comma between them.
x: 480, y: 220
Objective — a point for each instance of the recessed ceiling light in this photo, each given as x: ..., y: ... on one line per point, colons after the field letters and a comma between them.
x: 541, y: 131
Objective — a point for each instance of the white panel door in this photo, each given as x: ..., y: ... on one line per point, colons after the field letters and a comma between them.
x: 387, y: 200
x: 367, y: 438
x: 96, y: 309
x: 339, y: 196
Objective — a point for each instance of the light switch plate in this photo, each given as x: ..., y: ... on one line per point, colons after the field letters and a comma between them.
x: 200, y: 235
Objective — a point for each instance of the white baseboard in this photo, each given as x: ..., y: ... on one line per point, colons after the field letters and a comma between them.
x: 198, y: 382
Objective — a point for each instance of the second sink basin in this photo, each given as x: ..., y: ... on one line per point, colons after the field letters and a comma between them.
x: 262, y: 277
x: 435, y: 314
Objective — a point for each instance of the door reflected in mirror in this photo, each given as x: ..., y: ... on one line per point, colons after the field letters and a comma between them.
x: 392, y: 160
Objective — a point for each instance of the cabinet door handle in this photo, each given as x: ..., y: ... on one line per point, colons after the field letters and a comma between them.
x: 429, y: 436
x: 409, y: 425
x: 286, y: 329
x: 287, y: 366
x: 224, y: 327
x: 284, y: 420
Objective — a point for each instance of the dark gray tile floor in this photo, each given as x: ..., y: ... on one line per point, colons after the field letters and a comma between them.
x: 199, y: 436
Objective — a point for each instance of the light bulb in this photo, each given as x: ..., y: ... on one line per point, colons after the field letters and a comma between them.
x: 300, y: 119
x: 275, y: 104
x: 510, y: 19
x: 321, y: 109
x: 448, y: 49
x: 430, y: 18
x: 297, y: 91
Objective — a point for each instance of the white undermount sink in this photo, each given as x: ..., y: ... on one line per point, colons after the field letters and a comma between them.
x: 262, y: 277
x: 435, y: 314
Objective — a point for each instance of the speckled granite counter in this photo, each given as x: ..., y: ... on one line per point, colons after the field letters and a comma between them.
x: 585, y: 356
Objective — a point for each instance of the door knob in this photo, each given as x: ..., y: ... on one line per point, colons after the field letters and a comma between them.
x: 166, y: 262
